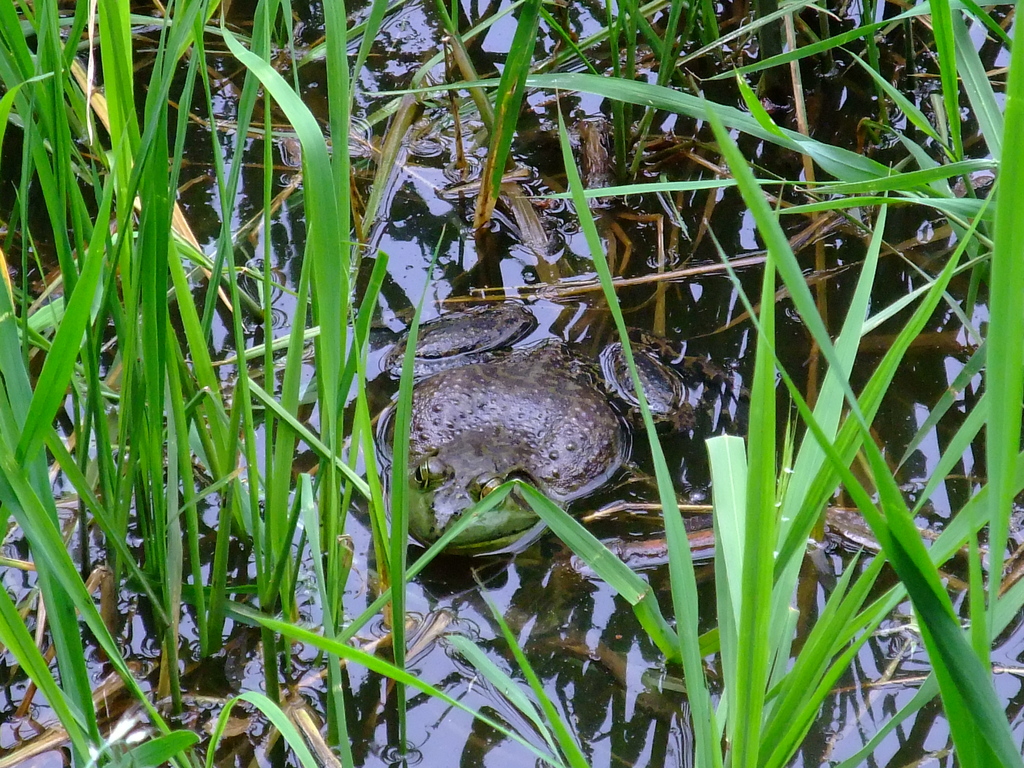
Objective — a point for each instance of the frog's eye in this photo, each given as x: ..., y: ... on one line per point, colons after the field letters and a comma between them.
x: 430, y: 472
x: 485, y: 484
x: 521, y: 475
x: 491, y: 485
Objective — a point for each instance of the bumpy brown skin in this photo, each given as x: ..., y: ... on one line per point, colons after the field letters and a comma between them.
x: 537, y: 414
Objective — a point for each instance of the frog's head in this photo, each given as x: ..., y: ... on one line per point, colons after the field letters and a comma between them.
x: 446, y: 483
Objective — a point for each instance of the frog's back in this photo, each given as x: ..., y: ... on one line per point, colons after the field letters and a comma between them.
x: 539, y: 405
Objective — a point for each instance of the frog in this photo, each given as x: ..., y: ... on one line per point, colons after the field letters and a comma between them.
x: 541, y: 412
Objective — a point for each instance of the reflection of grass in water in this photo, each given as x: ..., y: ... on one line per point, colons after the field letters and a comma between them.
x: 136, y: 472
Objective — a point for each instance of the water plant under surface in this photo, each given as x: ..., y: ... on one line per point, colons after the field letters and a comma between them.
x: 190, y: 336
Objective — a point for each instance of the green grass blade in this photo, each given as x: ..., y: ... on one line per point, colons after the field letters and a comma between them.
x: 1004, y: 377
x: 565, y: 740
x: 59, y: 364
x: 308, y: 437
x: 728, y: 461
x: 275, y: 715
x: 844, y: 164
x: 508, y: 687
x: 380, y: 666
x: 162, y: 749
x: 973, y: 367
x: 942, y: 27
x: 508, y: 102
x: 968, y: 520
x: 609, y: 568
x: 958, y: 208
x: 378, y: 10
x: 907, y: 181
x: 954, y: 450
x: 308, y: 512
x: 905, y: 105
x: 978, y: 87
x: 683, y: 579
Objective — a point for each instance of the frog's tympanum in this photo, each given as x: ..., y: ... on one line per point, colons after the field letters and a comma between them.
x: 539, y: 413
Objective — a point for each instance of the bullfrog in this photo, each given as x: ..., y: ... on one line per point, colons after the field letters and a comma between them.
x: 541, y: 413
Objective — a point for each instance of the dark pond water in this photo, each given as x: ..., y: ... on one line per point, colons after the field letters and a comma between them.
x: 604, y: 675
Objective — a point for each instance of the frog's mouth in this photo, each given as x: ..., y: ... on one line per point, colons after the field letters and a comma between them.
x: 438, y: 500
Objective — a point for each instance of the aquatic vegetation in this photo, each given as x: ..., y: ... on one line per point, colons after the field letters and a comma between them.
x: 190, y: 382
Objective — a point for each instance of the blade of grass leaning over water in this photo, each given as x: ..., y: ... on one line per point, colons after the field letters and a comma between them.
x: 273, y: 712
x: 380, y: 666
x: 565, y: 739
x: 383, y: 600
x: 504, y: 683
x: 844, y: 164
x: 60, y: 582
x: 684, y: 583
x: 610, y: 569
x: 16, y: 639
